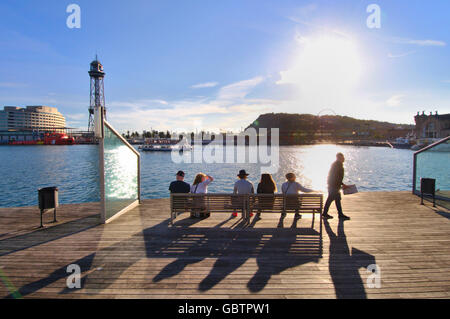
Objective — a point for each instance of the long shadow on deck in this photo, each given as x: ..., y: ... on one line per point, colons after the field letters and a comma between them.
x: 275, y: 250
x: 48, y: 234
x: 344, y: 267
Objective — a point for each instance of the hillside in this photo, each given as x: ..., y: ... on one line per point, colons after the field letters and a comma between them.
x: 307, y: 128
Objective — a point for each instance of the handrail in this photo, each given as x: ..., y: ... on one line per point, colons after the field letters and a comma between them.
x: 432, y: 145
x: 122, y: 139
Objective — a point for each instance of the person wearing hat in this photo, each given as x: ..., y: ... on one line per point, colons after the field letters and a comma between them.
x: 243, y: 186
x: 179, y: 186
x: 291, y: 187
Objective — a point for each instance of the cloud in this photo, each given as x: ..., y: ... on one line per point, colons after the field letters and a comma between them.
x: 395, y: 100
x: 401, y: 55
x: 77, y: 117
x: 142, y: 103
x: 228, y: 109
x: 239, y: 90
x: 204, y: 85
x: 418, y: 42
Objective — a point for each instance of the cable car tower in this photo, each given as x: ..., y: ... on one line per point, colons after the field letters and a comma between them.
x: 97, y: 98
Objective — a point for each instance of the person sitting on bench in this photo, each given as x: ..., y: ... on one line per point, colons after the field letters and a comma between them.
x: 291, y: 187
x: 200, y: 186
x: 266, y: 186
x: 242, y: 187
x: 179, y: 186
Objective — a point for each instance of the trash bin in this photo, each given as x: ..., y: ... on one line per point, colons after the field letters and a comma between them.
x: 48, y: 199
x: 428, y: 186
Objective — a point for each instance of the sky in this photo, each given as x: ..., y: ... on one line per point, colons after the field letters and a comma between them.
x: 217, y: 65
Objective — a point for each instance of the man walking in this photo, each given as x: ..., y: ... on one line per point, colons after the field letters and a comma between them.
x: 335, y: 177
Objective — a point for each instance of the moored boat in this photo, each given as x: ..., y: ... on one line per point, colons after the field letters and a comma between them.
x: 180, y: 147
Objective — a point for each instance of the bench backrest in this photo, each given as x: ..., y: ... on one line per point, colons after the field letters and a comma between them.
x: 280, y: 202
x: 261, y: 202
x: 209, y: 202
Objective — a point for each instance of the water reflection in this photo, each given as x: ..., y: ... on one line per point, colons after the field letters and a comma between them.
x: 74, y: 169
x: 121, y: 174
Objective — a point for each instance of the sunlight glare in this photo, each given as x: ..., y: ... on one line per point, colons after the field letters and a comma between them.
x: 327, y: 64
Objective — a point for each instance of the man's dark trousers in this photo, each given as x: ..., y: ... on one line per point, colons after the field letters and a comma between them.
x: 334, y: 194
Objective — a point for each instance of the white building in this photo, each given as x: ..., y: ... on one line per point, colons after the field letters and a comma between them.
x: 41, y: 118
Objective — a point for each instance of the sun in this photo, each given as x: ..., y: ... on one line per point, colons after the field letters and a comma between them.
x: 324, y: 65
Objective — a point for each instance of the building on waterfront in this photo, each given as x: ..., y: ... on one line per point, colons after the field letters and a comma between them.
x: 433, y: 126
x: 18, y: 123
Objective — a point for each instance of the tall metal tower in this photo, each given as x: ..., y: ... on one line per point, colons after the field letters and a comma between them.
x: 97, y: 91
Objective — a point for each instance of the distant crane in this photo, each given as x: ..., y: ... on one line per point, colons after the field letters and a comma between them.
x: 97, y: 95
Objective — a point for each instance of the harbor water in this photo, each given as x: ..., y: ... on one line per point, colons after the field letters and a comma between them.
x: 74, y: 170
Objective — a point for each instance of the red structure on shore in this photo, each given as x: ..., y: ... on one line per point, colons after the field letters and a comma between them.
x: 49, y: 139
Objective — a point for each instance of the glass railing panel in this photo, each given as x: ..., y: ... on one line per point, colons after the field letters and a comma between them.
x: 435, y: 163
x: 121, y: 171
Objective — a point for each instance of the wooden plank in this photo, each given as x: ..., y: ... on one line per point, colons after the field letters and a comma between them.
x: 140, y: 256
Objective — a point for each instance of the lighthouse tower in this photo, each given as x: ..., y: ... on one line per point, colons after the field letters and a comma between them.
x: 97, y: 91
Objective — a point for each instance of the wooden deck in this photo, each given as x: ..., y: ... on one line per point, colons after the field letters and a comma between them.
x: 140, y: 256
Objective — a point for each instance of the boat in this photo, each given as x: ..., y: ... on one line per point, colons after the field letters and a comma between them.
x: 58, y: 139
x: 400, y: 143
x: 48, y: 139
x: 165, y: 147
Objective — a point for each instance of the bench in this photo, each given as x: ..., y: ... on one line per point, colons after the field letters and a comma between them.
x: 208, y: 203
x: 252, y: 203
x: 279, y: 203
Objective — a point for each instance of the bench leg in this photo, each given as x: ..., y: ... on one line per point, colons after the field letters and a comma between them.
x: 54, y: 216
x: 42, y: 225
x: 248, y: 217
x: 321, y: 238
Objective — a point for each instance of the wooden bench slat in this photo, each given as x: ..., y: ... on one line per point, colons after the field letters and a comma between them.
x: 220, y: 203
